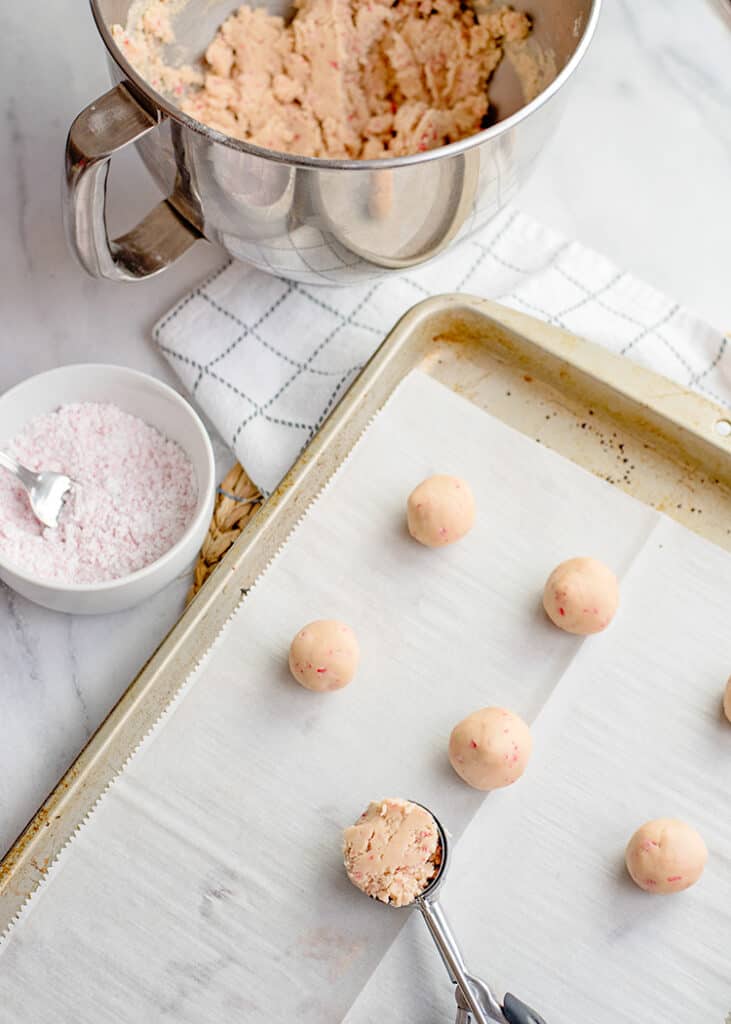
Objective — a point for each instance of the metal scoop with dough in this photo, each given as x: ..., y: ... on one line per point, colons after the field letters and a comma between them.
x: 476, y: 1002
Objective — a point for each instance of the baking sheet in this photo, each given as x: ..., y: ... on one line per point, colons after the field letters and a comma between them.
x: 208, y: 881
x: 538, y: 892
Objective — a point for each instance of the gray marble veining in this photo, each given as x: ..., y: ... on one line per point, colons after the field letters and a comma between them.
x: 639, y: 169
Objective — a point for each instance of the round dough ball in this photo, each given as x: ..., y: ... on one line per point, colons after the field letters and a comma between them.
x: 727, y: 700
x: 581, y: 596
x: 665, y: 856
x: 324, y: 655
x: 490, y: 748
x: 441, y: 510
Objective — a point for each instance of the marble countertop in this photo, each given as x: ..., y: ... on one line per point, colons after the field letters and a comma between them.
x: 640, y: 170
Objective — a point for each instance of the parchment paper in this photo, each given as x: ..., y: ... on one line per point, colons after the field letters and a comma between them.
x: 207, y: 886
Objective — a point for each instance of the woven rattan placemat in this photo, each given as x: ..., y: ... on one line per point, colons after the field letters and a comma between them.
x: 236, y: 501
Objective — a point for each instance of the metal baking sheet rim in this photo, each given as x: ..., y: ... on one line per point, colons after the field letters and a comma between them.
x: 439, y: 330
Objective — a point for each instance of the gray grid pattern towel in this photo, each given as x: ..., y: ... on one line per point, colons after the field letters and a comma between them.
x: 267, y: 359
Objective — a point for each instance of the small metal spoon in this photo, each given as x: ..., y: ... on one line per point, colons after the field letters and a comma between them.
x: 46, y: 491
x: 475, y: 999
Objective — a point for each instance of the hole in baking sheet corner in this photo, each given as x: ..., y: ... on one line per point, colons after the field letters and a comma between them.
x: 723, y: 427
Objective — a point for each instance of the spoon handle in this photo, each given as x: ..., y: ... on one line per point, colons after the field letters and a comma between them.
x: 13, y: 466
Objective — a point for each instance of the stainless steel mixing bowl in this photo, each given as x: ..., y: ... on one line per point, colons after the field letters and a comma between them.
x: 308, y: 219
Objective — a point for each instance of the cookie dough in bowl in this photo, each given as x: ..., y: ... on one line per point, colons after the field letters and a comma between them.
x: 324, y: 655
x: 490, y: 748
x: 358, y: 79
x: 581, y: 596
x: 665, y: 856
x: 393, y: 851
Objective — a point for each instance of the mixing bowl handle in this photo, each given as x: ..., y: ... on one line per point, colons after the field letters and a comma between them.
x: 103, y: 128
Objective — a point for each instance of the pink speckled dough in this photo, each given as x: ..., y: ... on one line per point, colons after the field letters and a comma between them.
x: 727, y: 701
x: 324, y: 655
x: 342, y: 78
x: 665, y: 855
x: 490, y: 748
x: 393, y: 851
x: 581, y: 596
x: 440, y: 511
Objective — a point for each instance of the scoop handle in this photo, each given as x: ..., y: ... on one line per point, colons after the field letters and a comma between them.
x: 449, y: 951
x: 444, y: 940
x: 518, y: 1012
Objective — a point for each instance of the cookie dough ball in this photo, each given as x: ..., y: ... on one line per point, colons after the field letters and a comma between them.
x: 441, y: 510
x: 581, y: 596
x: 324, y: 655
x: 393, y: 851
x: 490, y: 748
x: 665, y: 855
x: 727, y: 701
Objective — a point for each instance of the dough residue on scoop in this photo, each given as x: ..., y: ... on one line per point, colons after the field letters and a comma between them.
x: 358, y: 79
x: 393, y: 851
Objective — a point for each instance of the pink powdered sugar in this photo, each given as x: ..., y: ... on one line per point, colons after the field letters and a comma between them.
x: 135, y: 493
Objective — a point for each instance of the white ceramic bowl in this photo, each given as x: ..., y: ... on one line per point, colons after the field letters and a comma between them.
x: 161, y: 407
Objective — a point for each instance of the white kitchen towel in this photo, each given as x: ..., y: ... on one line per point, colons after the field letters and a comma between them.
x: 267, y: 359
